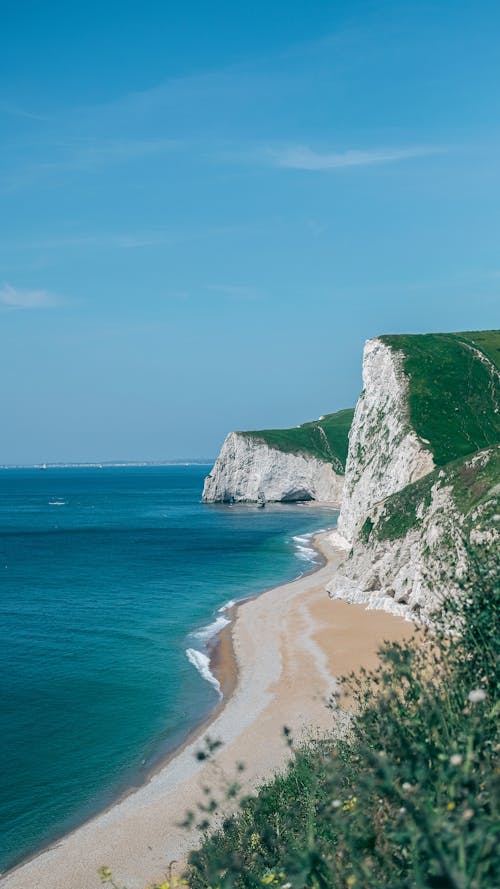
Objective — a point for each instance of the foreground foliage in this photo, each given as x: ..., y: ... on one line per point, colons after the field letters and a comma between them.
x: 411, y: 798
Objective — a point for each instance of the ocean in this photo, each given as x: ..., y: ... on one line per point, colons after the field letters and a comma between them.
x: 111, y: 582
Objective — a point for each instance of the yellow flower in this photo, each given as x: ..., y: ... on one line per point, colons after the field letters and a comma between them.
x: 351, y: 881
x: 350, y: 804
x: 104, y: 874
x: 268, y: 878
x: 450, y: 807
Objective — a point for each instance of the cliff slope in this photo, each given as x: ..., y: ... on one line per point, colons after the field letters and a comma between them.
x: 422, y: 535
x: 427, y: 399
x: 423, y: 469
x: 304, y: 463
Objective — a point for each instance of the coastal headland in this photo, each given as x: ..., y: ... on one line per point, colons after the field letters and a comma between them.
x: 278, y: 663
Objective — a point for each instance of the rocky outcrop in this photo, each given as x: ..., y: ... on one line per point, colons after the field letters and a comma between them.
x: 385, y: 454
x: 415, y: 543
x: 407, y: 526
x: 247, y: 467
x: 396, y: 574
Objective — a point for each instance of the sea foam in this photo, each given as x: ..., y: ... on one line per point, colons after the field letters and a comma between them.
x: 212, y: 629
x: 202, y: 663
x: 304, y: 549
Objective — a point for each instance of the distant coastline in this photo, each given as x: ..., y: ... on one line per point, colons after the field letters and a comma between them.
x: 108, y: 464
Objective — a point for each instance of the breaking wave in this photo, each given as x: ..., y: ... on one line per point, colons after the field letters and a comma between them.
x: 212, y: 629
x: 201, y: 662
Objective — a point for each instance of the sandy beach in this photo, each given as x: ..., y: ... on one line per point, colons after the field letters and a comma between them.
x: 277, y: 663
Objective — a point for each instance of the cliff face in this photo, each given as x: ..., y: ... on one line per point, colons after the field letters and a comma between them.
x: 417, y: 540
x: 423, y: 469
x: 385, y: 454
x: 421, y: 460
x: 248, y: 466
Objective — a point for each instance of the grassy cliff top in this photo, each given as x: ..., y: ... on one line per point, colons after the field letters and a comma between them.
x: 473, y: 481
x: 454, y: 389
x: 326, y: 439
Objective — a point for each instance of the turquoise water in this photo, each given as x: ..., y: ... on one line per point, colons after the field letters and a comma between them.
x: 106, y: 578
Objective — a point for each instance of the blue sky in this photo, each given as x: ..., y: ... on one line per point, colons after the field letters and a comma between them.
x: 208, y: 207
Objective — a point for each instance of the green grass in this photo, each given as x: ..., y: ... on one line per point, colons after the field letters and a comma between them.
x: 454, y: 396
x: 488, y: 341
x: 326, y: 439
x: 471, y: 486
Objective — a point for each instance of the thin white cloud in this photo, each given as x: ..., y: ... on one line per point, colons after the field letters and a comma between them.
x: 301, y: 157
x: 93, y: 153
x: 14, y: 111
x: 133, y: 240
x: 217, y: 89
x: 88, y: 156
x: 105, y: 240
x: 236, y: 291
x: 18, y: 298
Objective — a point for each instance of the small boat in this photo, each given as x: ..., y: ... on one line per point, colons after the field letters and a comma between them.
x: 261, y: 499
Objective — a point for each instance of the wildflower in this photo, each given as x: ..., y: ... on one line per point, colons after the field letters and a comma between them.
x: 350, y: 804
x: 407, y: 787
x: 268, y: 878
x: 468, y: 814
x: 450, y: 807
x: 402, y: 810
x: 286, y: 886
x: 351, y: 881
x: 336, y: 803
x: 456, y: 759
x: 476, y: 695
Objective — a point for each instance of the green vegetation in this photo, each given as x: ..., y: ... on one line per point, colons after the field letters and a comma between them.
x: 488, y: 341
x: 366, y: 529
x: 454, y: 391
x: 471, y: 479
x: 326, y: 439
x: 410, y: 799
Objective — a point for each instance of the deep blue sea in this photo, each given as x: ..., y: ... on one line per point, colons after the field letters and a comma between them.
x: 107, y: 577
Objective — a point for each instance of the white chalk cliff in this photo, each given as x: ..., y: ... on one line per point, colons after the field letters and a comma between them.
x: 385, y: 453
x: 402, y: 570
x: 398, y: 574
x: 400, y: 525
x: 247, y: 466
x: 405, y: 525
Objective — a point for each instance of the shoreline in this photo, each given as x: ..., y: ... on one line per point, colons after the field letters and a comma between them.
x: 223, y: 665
x: 138, y: 834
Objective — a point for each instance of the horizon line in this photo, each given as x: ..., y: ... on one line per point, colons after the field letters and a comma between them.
x: 97, y: 464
